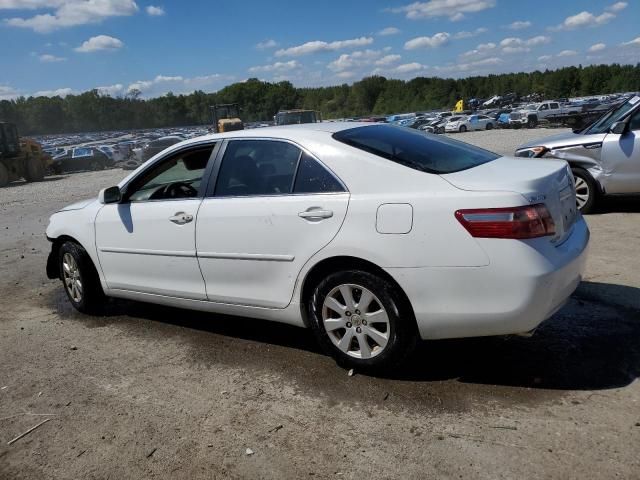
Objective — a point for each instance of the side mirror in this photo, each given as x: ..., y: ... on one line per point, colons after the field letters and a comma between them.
x: 110, y: 195
x: 619, y: 128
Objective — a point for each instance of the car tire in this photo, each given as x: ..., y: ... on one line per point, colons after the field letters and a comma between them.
x: 34, y: 170
x: 489, y: 126
x: 586, y: 190
x: 80, y: 279
x: 4, y: 175
x: 462, y: 129
x: 379, y: 338
x: 532, y: 122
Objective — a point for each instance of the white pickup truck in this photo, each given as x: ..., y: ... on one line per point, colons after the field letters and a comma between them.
x: 531, y: 115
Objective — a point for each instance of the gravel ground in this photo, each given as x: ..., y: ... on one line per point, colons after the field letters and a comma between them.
x: 150, y: 392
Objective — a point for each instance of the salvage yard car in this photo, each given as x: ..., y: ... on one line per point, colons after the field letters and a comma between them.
x: 373, y: 236
x: 470, y: 123
x: 604, y: 157
x: 80, y: 158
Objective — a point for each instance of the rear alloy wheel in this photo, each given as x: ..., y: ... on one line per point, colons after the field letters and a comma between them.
x: 462, y: 129
x: 360, y: 319
x: 585, y: 190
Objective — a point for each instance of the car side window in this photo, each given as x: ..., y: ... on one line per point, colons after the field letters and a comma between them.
x: 176, y: 177
x: 314, y: 178
x: 544, y: 107
x: 257, y: 167
x: 554, y: 106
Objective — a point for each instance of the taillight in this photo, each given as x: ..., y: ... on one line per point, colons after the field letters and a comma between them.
x: 530, y: 221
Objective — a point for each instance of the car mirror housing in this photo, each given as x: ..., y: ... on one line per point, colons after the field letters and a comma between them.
x: 619, y: 128
x: 110, y: 195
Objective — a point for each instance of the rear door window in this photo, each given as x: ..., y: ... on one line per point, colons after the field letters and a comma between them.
x: 257, y: 167
x: 416, y: 150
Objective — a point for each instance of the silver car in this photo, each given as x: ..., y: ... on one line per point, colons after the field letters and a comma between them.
x: 604, y: 157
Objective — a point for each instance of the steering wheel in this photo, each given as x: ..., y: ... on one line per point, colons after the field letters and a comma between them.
x: 180, y: 190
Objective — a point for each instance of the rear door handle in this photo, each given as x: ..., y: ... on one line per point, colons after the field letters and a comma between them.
x: 315, y: 214
x: 180, y: 218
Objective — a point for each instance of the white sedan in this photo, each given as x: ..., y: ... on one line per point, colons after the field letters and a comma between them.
x: 469, y: 123
x: 371, y: 235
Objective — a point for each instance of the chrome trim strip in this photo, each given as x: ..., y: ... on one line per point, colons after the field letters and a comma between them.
x: 264, y: 257
x: 144, y: 251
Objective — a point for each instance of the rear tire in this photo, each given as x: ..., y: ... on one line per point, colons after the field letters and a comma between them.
x: 462, y: 129
x: 586, y: 190
x: 489, y: 126
x: 80, y: 279
x: 34, y: 170
x: 4, y: 175
x: 96, y: 165
x: 370, y: 327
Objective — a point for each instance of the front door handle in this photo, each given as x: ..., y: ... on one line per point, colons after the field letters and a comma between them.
x: 180, y: 218
x: 315, y: 214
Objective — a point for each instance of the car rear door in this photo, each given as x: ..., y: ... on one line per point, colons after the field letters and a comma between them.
x: 272, y: 207
x: 146, y: 243
x: 621, y: 158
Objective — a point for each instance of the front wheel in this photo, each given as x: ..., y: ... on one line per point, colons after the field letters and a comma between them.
x: 462, y: 129
x: 34, y: 170
x: 80, y: 279
x: 586, y: 190
x: 489, y: 126
x: 362, y: 321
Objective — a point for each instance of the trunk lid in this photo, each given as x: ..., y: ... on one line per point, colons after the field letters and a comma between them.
x: 537, y: 180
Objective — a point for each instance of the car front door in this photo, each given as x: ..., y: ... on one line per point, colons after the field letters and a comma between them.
x: 273, y: 206
x: 621, y: 158
x: 146, y: 243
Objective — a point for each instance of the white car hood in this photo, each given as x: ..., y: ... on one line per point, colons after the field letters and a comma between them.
x: 79, y: 205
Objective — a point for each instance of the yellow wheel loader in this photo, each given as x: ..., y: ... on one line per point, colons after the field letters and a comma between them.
x: 20, y: 158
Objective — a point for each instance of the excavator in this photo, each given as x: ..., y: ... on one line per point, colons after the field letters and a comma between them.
x: 20, y: 157
x: 226, y: 117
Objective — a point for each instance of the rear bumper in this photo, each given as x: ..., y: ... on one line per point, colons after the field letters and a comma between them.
x: 524, y: 284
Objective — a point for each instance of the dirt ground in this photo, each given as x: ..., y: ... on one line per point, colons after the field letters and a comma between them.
x: 150, y: 392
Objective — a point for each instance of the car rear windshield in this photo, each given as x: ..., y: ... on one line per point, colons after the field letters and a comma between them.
x: 417, y: 150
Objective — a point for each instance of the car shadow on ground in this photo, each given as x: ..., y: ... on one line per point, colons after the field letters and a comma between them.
x: 622, y: 204
x: 590, y: 344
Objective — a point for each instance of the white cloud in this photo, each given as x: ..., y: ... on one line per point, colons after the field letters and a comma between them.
x: 270, y: 43
x: 98, y: 43
x: 567, y: 53
x: 60, y: 92
x: 465, y: 34
x: 471, y: 67
x: 519, y: 25
x: 345, y: 75
x: 155, y: 11
x: 276, y: 67
x: 389, y: 31
x: 437, y: 40
x: 8, y: 93
x: 162, y: 84
x: 519, y: 45
x: 584, y: 19
x: 635, y: 43
x: 320, y: 46
x: 453, y: 9
x: 47, y: 58
x: 598, y: 47
x: 358, y: 58
x: 544, y: 58
x: 409, y: 67
x: 617, y: 7
x: 388, y: 60
x: 69, y: 13
x: 482, y: 49
x: 111, y: 90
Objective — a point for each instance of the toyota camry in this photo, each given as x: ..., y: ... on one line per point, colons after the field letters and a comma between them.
x: 372, y: 236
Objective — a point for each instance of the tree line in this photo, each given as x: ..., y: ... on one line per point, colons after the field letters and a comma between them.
x: 259, y: 100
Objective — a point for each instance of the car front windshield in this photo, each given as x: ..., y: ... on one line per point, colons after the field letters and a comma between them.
x: 426, y: 153
x: 612, y: 116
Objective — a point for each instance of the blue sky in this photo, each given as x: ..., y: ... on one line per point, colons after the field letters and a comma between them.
x: 60, y: 47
